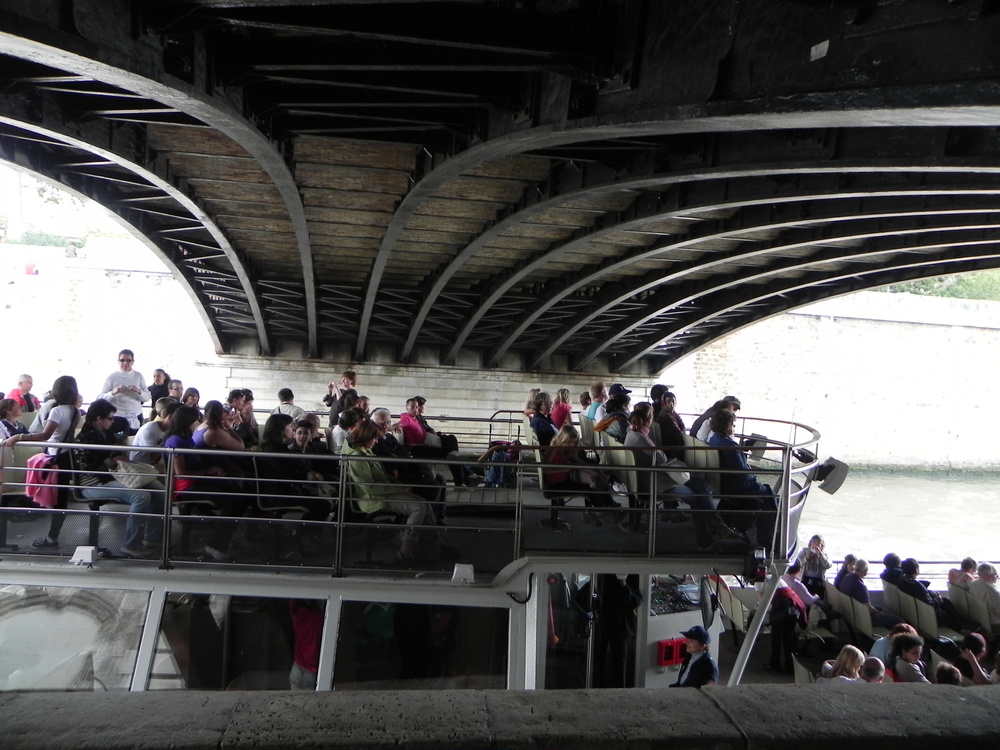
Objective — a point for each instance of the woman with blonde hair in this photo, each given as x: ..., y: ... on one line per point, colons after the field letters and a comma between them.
x: 845, y: 668
x: 562, y: 412
x: 529, y: 407
x: 573, y: 475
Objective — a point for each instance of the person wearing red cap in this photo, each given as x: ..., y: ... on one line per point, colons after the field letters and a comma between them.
x: 698, y: 668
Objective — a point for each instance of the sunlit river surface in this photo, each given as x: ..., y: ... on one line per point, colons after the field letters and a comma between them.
x: 929, y: 516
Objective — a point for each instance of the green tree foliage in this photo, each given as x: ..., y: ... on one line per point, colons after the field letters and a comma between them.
x: 983, y: 285
x: 36, y: 237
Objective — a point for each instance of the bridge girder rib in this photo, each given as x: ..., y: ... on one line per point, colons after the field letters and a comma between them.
x: 557, y: 292
x: 119, y: 69
x: 622, y: 293
x: 889, y: 108
x: 799, y: 294
x: 702, y: 302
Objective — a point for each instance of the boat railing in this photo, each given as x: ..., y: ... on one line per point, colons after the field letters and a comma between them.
x: 317, y: 522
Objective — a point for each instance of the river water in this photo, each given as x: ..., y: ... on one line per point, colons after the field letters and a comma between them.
x: 926, y: 515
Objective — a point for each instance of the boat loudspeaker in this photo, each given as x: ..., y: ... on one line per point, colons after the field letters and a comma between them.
x: 831, y: 474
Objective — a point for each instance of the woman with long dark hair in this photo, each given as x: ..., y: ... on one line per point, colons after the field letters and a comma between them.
x: 59, y: 425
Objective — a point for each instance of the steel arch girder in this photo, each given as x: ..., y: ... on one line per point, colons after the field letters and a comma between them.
x: 621, y: 294
x: 187, y: 99
x: 875, y: 277
x: 831, y: 110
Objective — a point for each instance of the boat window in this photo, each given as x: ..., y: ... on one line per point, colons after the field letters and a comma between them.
x: 218, y: 642
x: 386, y: 646
x: 61, y: 638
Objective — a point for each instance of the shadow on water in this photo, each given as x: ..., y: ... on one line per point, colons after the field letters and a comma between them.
x: 927, y: 515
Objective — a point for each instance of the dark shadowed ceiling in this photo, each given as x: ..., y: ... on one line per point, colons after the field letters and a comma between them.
x: 572, y: 184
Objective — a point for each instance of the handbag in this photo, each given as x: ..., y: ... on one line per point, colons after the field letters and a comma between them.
x: 134, y: 474
x: 432, y: 439
x: 677, y: 471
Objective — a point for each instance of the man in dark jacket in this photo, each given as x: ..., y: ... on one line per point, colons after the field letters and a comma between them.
x: 698, y: 668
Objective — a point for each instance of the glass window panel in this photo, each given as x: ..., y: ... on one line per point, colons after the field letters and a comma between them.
x: 60, y: 638
x: 386, y: 646
x: 217, y: 642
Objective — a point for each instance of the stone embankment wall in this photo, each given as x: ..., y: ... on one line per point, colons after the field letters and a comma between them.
x: 891, y: 381
x: 713, y: 718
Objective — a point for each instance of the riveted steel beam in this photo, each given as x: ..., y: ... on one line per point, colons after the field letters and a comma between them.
x: 945, y: 251
x: 137, y: 69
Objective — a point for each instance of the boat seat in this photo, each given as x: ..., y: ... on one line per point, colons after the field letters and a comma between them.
x: 928, y: 623
x: 586, y: 430
x: 937, y: 660
x: 802, y: 675
x: 890, y: 596
x: 702, y: 462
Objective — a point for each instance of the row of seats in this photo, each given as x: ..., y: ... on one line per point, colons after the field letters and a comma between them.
x: 917, y: 613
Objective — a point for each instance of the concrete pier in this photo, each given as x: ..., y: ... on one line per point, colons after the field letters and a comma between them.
x: 883, y: 716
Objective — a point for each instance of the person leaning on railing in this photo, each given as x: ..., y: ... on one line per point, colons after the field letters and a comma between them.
x: 375, y: 490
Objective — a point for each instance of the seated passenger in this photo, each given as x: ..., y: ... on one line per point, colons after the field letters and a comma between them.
x: 286, y: 404
x: 892, y: 572
x: 845, y: 568
x: 420, y: 476
x: 872, y: 670
x: 153, y: 434
x: 904, y: 655
x: 695, y: 492
x: 791, y: 579
x: 175, y: 390
x: 10, y: 410
x: 854, y: 586
x: 193, y: 478
x: 349, y: 419
x: 159, y: 388
x: 615, y: 421
x: 671, y: 427
x: 425, y: 442
x: 738, y: 486
x: 191, y: 398
x: 217, y: 433
x: 598, y: 394
x: 94, y: 479
x: 964, y: 574
x: 846, y: 668
x: 947, y: 674
x: 304, y: 442
x: 23, y: 395
x: 601, y: 412
x: 375, y: 490
x: 973, y: 650
x: 562, y: 410
x: 247, y: 428
x: 985, y: 590
x: 573, y: 475
x: 291, y: 475
x: 880, y: 648
x: 943, y: 608
x: 529, y: 406
x: 541, y: 421
x: 701, y: 427
x: 60, y: 422
x: 585, y: 402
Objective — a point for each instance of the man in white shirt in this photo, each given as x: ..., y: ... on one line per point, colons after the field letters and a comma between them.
x: 126, y: 390
x: 984, y: 588
x: 286, y: 397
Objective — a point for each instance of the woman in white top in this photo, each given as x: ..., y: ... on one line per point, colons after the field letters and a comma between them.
x: 845, y: 668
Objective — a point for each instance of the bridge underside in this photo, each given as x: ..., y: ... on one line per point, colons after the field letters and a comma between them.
x: 601, y: 184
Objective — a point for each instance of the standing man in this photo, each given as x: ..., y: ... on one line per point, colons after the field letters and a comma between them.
x: 23, y: 395
x: 335, y: 394
x: 698, y: 668
x: 126, y: 390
